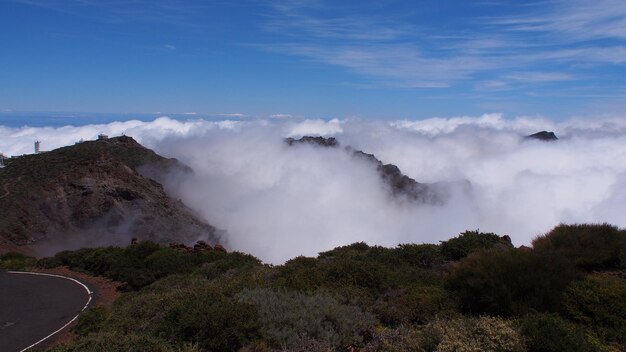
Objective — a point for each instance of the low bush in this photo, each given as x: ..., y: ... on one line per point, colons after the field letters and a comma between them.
x: 471, y: 335
x: 111, y: 342
x: 141, y: 264
x: 550, y: 333
x: 424, y: 255
x: 16, y: 261
x: 414, y: 305
x: 290, y: 318
x: 186, y: 309
x: 300, y: 273
x: 470, y: 242
x: 374, y: 269
x: 589, y: 246
x: 511, y: 282
x: 400, y: 339
x: 599, y: 303
x: 218, y: 263
x: 92, y: 320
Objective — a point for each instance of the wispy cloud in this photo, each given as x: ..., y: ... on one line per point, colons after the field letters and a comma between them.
x: 577, y: 30
x: 546, y: 42
x: 281, y: 116
x: 538, y: 77
x: 395, y: 65
x: 573, y: 20
x: 492, y: 85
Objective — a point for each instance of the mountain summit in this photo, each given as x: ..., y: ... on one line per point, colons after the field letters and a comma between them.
x: 101, y: 192
x: 543, y: 136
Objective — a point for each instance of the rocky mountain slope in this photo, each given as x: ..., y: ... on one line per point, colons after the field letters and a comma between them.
x: 99, y: 192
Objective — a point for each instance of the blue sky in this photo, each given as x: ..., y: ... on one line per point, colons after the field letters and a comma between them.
x: 383, y: 59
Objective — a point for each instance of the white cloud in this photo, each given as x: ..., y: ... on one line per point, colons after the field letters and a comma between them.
x: 234, y: 115
x: 314, y: 127
x: 281, y: 116
x: 538, y: 77
x: 277, y: 201
x: 438, y: 125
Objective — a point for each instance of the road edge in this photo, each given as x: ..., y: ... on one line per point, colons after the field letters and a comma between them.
x: 89, y: 299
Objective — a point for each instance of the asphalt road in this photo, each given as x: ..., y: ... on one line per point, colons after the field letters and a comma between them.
x: 34, y: 306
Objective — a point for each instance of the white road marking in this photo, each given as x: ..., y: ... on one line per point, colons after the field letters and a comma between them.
x: 89, y: 293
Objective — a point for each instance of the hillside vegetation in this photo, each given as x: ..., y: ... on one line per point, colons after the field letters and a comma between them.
x: 474, y: 292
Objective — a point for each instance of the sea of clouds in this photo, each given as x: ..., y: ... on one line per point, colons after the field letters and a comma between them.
x: 277, y: 202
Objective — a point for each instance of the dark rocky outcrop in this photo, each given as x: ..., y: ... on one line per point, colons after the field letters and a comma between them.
x: 101, y: 192
x: 202, y: 246
x: 400, y: 185
x: 543, y: 136
x: 321, y: 141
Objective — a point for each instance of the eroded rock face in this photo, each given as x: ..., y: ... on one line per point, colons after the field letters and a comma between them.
x: 321, y: 141
x: 100, y: 192
x: 543, y: 136
x: 400, y: 185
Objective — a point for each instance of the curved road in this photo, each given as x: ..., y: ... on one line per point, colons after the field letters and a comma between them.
x: 36, y: 306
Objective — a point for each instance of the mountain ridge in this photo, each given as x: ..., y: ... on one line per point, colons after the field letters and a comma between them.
x: 399, y: 184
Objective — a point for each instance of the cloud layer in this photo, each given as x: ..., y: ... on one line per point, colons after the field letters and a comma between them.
x: 278, y: 202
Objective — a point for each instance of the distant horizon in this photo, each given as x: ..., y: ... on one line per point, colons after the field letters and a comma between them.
x: 55, y: 119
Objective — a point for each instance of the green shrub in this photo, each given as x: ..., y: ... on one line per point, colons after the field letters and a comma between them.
x: 289, y: 318
x: 414, y: 305
x: 309, y: 274
x: 472, y: 241
x: 16, y: 261
x: 360, y: 273
x: 97, y: 261
x: 374, y: 270
x: 424, y: 255
x: 90, y: 321
x: 599, y: 302
x: 110, y: 342
x: 511, y: 282
x: 550, y: 333
x: 301, y: 273
x: 141, y: 264
x: 590, y: 246
x: 471, y: 335
x: 214, y: 323
x: 400, y: 339
x: 219, y: 263
x: 186, y: 309
x: 49, y: 262
x: 351, y: 250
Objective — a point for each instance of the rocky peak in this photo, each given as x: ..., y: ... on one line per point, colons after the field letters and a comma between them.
x: 321, y: 141
x: 543, y: 136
